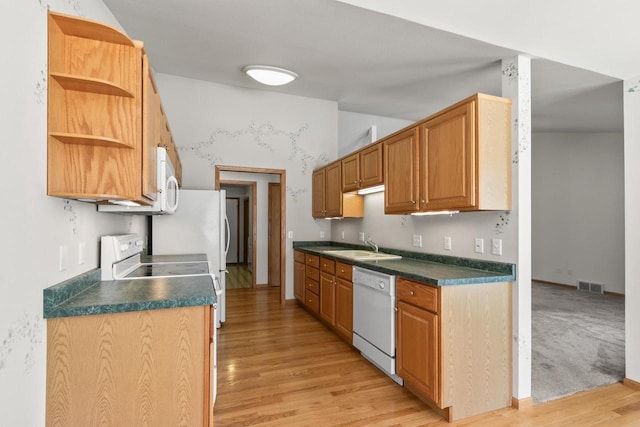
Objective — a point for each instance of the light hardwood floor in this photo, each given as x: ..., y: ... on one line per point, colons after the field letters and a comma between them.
x: 239, y: 277
x: 279, y: 366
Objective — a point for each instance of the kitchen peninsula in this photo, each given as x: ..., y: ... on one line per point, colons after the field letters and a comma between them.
x: 453, y: 320
x: 130, y: 352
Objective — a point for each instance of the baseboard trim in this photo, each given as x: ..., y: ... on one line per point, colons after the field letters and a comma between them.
x: 521, y: 404
x: 563, y: 285
x: 445, y: 413
x: 631, y: 383
x: 290, y: 302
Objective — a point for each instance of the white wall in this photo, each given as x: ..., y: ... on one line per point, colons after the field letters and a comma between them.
x: 32, y: 224
x: 631, y: 99
x: 578, y: 208
x: 354, y: 130
x: 218, y: 124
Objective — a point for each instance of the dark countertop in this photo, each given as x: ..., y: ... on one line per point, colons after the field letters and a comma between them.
x: 433, y: 269
x: 86, y: 294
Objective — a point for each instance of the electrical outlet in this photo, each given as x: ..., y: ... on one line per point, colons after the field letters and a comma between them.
x: 81, y: 253
x: 322, y: 234
x: 558, y: 270
x: 496, y: 246
x: 63, y: 254
x: 342, y: 234
x: 479, y: 246
x: 570, y: 272
x: 417, y: 240
x: 447, y: 243
x: 290, y: 235
x: 361, y: 236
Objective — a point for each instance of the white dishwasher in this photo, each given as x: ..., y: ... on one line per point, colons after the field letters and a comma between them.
x: 374, y: 319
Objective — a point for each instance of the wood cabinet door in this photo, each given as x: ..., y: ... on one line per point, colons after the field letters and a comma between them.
x: 327, y: 298
x: 333, y: 189
x: 317, y: 194
x: 298, y: 280
x: 401, y: 172
x: 344, y: 309
x: 447, y: 160
x: 149, y: 133
x: 351, y: 173
x: 417, y: 343
x: 371, y: 166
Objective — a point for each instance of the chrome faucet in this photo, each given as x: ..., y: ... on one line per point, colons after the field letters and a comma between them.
x: 371, y: 243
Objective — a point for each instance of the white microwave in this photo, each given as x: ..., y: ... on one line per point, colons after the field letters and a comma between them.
x: 168, y: 191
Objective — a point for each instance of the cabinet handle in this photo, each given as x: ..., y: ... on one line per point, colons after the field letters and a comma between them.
x: 411, y: 293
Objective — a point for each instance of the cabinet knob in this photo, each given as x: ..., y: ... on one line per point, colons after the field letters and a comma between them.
x: 395, y: 308
x: 423, y: 202
x: 355, y: 182
x: 413, y: 201
x: 342, y: 270
x: 411, y: 293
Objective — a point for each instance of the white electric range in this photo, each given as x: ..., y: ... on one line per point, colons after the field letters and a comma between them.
x: 121, y: 259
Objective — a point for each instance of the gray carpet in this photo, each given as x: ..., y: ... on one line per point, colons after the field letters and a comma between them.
x: 577, y: 341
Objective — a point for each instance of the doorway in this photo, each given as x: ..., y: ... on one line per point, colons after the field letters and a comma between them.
x: 241, y: 213
x: 227, y: 174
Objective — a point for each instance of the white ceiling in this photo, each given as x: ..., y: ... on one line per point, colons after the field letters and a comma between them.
x: 369, y: 62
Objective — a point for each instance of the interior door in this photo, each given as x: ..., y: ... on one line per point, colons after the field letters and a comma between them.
x: 274, y: 234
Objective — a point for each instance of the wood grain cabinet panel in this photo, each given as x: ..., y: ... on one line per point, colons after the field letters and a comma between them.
x: 344, y: 309
x: 417, y: 344
x: 137, y: 368
x: 327, y: 298
x: 103, y: 124
x: 457, y: 159
x: 453, y: 345
x: 401, y: 172
x: 328, y: 200
x: 363, y: 168
x: 298, y: 280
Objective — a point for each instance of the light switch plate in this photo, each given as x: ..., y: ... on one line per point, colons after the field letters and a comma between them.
x: 63, y: 254
x: 290, y: 235
x: 322, y: 234
x: 447, y: 243
x: 417, y: 240
x: 479, y: 246
x: 361, y: 236
x: 496, y: 246
x: 81, y: 253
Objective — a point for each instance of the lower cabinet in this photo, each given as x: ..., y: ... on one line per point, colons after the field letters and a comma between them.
x: 453, y: 345
x: 298, y: 276
x: 327, y: 291
x: 137, y: 368
x: 417, y: 349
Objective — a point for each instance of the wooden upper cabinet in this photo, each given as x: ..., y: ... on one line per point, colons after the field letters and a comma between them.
x: 362, y: 169
x: 371, y: 166
x: 333, y: 190
x: 457, y: 159
x: 447, y: 154
x: 95, y: 145
x: 105, y: 118
x: 401, y: 172
x: 317, y: 189
x: 328, y: 200
x: 149, y: 131
x: 351, y: 172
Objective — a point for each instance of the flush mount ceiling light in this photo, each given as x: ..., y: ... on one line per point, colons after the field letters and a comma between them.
x: 267, y: 75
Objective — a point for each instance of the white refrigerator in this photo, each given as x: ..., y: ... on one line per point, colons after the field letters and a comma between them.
x: 199, y: 225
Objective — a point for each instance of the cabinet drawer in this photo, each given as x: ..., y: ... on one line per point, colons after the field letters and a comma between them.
x: 344, y: 271
x: 299, y: 256
x: 312, y: 273
x: 313, y: 260
x: 312, y: 301
x: 417, y: 294
x: 312, y: 286
x: 328, y: 265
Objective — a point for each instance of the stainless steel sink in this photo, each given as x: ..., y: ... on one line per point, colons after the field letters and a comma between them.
x: 360, y: 255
